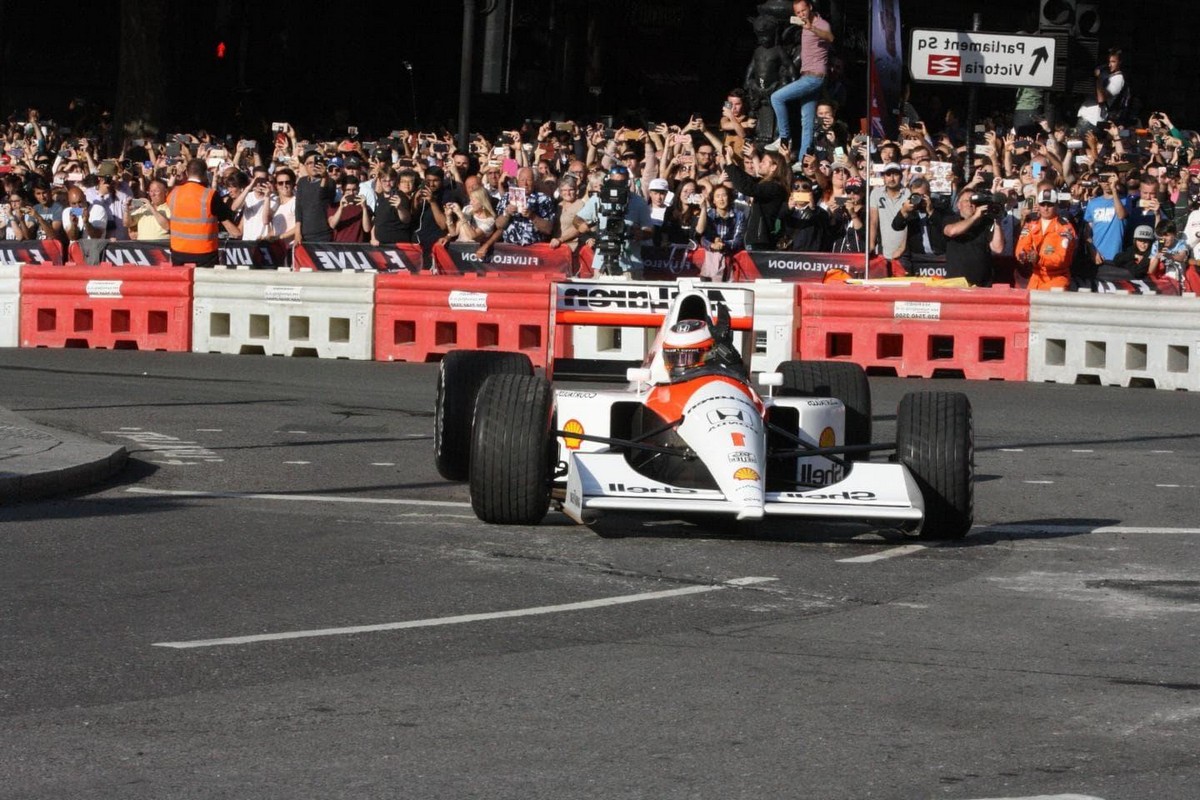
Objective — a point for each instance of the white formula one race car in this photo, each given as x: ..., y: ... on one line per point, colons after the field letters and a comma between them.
x: 690, y: 437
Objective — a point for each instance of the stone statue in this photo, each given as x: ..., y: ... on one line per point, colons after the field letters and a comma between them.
x: 770, y: 68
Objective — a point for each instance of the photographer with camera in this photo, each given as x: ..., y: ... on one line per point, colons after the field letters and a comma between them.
x: 621, y: 221
x: 922, y: 223
x: 974, y: 235
x: 1169, y: 256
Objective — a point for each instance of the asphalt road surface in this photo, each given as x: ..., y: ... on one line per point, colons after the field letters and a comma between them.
x: 280, y: 598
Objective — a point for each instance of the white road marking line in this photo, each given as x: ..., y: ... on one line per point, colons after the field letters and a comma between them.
x: 465, y: 618
x: 1067, y: 529
x: 383, y: 464
x: 893, y: 552
x: 1012, y: 450
x: 210, y: 430
x: 1166, y: 486
x: 295, y: 431
x: 1162, y: 452
x: 131, y: 429
x: 1039, y: 482
x: 297, y: 462
x: 1083, y: 451
x: 299, y: 498
x: 1047, y: 797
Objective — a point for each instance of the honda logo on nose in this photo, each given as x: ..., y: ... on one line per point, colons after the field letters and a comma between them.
x: 719, y: 415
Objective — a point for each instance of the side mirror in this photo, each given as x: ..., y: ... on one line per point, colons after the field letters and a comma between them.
x: 639, y: 376
x: 771, y: 380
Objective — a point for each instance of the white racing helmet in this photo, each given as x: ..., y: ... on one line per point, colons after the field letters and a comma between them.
x: 686, y: 346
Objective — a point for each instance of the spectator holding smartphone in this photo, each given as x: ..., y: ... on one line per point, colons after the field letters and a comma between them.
x: 81, y: 219
x: 1105, y: 215
x: 17, y: 218
x: 349, y: 219
x: 314, y: 195
x: 475, y: 221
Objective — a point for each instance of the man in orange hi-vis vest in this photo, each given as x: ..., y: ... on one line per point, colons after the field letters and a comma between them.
x: 1047, y: 243
x: 196, y: 214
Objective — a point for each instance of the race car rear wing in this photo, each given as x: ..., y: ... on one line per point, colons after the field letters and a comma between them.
x: 619, y: 304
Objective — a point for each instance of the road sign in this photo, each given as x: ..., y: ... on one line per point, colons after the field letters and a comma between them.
x: 977, y: 57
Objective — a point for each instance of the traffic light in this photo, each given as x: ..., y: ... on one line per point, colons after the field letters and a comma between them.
x: 220, y: 49
x: 1087, y: 20
x: 1057, y: 14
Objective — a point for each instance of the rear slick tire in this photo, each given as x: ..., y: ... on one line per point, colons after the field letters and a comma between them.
x: 460, y: 375
x: 512, y: 453
x: 935, y: 440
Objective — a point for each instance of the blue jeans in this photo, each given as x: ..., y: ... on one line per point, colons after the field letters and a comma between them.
x: 805, y: 91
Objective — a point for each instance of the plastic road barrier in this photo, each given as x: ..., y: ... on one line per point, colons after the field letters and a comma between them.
x: 142, y: 308
x: 422, y: 317
x: 284, y: 313
x: 1115, y: 339
x: 10, y: 304
x: 917, y: 331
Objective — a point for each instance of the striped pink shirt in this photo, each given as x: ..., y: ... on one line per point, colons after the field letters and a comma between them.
x: 814, y: 51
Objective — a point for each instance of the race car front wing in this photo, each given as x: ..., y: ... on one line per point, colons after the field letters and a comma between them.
x: 599, y: 482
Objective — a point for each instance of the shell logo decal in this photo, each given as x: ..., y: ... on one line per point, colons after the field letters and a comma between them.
x: 828, y: 438
x: 745, y: 474
x: 573, y: 426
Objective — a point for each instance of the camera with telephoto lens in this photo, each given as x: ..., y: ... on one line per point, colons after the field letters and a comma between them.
x: 610, y: 238
x: 993, y: 204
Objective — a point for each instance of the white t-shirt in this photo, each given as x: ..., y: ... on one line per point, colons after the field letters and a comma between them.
x: 1092, y: 111
x: 253, y: 226
x: 284, y: 218
x: 96, y: 216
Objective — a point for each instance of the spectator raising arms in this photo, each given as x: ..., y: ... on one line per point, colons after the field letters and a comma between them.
x: 769, y: 190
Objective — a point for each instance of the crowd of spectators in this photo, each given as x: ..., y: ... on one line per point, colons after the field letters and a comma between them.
x: 1105, y: 195
x: 704, y: 184
x: 1105, y: 192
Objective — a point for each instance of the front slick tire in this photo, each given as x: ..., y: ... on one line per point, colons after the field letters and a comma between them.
x: 460, y: 375
x: 935, y: 439
x: 511, y: 454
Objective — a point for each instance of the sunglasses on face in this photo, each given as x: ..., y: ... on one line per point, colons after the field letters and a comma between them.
x: 283, y: 183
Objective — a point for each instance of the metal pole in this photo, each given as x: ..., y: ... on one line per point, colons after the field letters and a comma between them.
x: 464, y: 78
x: 972, y: 111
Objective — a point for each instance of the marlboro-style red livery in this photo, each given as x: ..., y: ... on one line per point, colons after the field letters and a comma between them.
x: 692, y: 436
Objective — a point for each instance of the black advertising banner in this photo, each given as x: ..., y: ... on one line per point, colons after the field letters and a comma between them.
x: 338, y: 255
x: 535, y: 258
x: 253, y: 254
x: 31, y: 252
x: 121, y: 254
